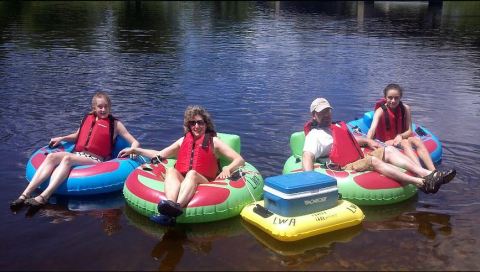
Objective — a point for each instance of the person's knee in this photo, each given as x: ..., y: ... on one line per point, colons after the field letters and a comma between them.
x: 172, y: 173
x: 417, y: 142
x: 375, y: 162
x: 414, y: 140
x: 51, y: 157
x: 390, y: 150
x: 192, y: 175
x: 67, y: 160
x: 405, y: 143
x: 170, y: 170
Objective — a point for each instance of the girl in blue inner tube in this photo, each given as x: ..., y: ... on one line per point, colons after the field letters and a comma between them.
x: 93, y: 144
x: 392, y: 124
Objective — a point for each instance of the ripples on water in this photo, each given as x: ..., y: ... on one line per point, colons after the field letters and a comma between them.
x: 256, y: 66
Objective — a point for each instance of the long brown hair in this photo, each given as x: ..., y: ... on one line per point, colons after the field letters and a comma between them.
x: 191, y: 111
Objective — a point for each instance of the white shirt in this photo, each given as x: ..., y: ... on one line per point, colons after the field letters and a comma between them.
x: 319, y: 142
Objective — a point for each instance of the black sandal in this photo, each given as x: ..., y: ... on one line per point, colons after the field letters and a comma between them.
x: 18, y: 202
x: 448, y: 175
x: 163, y: 220
x: 169, y: 208
x: 431, y: 182
x: 34, y: 203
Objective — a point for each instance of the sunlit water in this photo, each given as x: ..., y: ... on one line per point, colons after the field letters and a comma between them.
x: 256, y: 66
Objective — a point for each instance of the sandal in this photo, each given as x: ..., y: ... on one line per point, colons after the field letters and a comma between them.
x: 163, y: 220
x: 34, y: 203
x: 169, y: 208
x: 429, y: 184
x: 432, y: 182
x: 448, y: 175
x: 18, y: 202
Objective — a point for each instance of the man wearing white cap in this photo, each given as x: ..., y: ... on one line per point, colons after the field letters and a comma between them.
x: 319, y: 143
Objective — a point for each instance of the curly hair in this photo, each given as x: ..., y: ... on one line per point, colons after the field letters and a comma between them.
x: 191, y: 111
x: 392, y: 86
x: 104, y: 95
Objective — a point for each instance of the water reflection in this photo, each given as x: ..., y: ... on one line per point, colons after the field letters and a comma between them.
x: 388, y: 212
x: 173, y: 241
x: 404, y: 216
x: 63, y: 209
x: 300, y: 254
x: 169, y: 251
x: 230, y: 11
x: 146, y: 27
x: 330, y: 8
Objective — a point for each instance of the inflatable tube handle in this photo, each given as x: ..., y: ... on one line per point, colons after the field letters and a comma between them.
x: 262, y: 211
x: 420, y: 131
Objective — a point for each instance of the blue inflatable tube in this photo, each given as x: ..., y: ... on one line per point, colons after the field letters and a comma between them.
x: 432, y: 143
x: 104, y: 177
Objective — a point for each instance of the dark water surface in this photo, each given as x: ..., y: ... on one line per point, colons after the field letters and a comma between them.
x: 256, y: 66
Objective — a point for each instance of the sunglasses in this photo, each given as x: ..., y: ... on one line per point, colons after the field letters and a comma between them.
x: 196, y: 122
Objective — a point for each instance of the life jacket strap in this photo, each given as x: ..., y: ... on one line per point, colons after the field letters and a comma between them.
x: 385, y: 116
x: 111, y: 119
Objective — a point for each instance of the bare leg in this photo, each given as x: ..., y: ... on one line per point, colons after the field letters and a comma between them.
x: 61, y: 172
x: 422, y: 152
x: 397, y: 158
x: 409, y: 152
x: 189, y: 186
x: 173, y: 179
x: 394, y: 173
x: 44, y: 171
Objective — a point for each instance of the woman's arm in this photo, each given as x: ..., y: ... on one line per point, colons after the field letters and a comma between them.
x: 167, y: 152
x: 227, y: 151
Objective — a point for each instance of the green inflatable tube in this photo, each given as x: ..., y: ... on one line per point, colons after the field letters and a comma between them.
x: 213, y: 201
x: 361, y: 188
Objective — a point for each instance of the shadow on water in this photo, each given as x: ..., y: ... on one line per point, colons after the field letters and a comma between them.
x: 173, y: 241
x: 405, y: 216
x: 299, y: 254
x: 61, y: 209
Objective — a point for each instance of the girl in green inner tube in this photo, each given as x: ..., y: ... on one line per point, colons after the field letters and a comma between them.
x: 197, y: 154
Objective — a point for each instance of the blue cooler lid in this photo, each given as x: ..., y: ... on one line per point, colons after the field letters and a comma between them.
x: 300, y: 182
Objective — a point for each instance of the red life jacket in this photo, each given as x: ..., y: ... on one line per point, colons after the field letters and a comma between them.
x: 308, y: 126
x: 345, y: 149
x: 198, y: 155
x: 96, y: 136
x: 392, y: 122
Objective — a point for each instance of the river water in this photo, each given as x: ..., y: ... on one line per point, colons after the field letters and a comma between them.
x: 256, y: 66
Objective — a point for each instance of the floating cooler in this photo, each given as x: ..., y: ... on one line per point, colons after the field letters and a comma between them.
x: 300, y: 193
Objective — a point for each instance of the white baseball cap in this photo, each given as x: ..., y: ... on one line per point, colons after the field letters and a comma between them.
x: 319, y: 104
